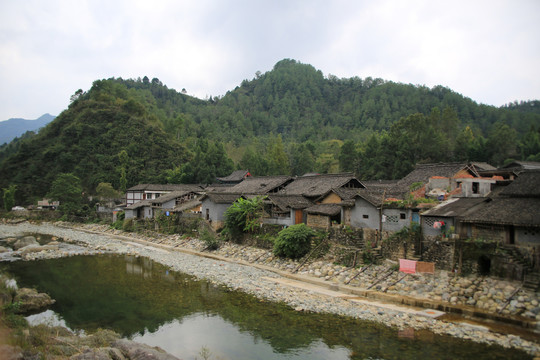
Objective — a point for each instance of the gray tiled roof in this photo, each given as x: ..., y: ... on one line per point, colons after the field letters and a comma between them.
x: 319, y: 185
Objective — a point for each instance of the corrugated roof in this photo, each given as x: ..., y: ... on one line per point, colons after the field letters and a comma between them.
x: 222, y: 198
x: 318, y: 185
x: 482, y: 166
x: 235, y: 176
x: 166, y: 187
x: 285, y: 202
x: 187, y: 205
x: 454, y: 207
x: 139, y: 204
x: 373, y: 196
x: 379, y: 184
x: 170, y: 196
x: 324, y: 209
x: 522, y: 165
x: 527, y: 184
x: 259, y: 185
x: 423, y: 172
x: 507, y: 211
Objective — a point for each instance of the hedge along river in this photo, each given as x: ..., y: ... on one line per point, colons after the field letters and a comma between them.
x: 147, y: 302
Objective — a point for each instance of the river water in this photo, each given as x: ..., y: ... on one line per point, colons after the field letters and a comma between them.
x: 146, y: 302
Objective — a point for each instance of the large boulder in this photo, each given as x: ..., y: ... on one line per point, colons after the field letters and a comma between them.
x: 136, y: 351
x: 37, y: 248
x: 31, y: 300
x: 104, y: 353
x: 123, y: 350
x: 25, y: 241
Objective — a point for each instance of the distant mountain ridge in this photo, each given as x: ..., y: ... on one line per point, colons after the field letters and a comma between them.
x: 12, y: 128
x: 290, y: 120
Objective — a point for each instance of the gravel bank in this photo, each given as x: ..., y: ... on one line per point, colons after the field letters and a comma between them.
x: 259, y: 282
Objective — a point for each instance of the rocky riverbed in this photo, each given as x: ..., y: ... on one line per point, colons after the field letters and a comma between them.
x: 488, y: 294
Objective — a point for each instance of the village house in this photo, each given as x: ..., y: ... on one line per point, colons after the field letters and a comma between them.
x: 215, y: 203
x: 511, y: 216
x: 153, y: 191
x: 507, y: 222
x: 236, y: 177
x: 518, y: 166
x: 170, y: 202
x: 285, y: 210
x: 47, y: 204
x: 387, y: 206
x: 326, y: 192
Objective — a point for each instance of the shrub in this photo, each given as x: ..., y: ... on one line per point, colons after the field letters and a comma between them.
x: 211, y: 241
x: 244, y: 215
x: 128, y: 225
x: 293, y: 242
x: 118, y: 224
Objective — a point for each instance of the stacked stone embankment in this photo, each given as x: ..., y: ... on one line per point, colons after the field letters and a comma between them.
x: 229, y: 268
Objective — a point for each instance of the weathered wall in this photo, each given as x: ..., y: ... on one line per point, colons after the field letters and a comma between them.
x: 318, y: 221
x: 346, y: 236
x: 495, y: 233
x: 441, y: 252
x: 430, y: 233
x: 331, y: 199
x: 396, y: 219
x: 394, y: 248
x: 364, y: 215
x: 529, y: 237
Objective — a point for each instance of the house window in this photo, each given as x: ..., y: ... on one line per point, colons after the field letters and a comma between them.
x: 365, y: 216
x: 402, y: 216
x: 475, y: 187
x: 392, y: 218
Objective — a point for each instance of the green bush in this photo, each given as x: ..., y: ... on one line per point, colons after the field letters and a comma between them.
x: 293, y: 242
x: 128, y: 225
x: 244, y: 215
x: 211, y: 241
x: 118, y: 224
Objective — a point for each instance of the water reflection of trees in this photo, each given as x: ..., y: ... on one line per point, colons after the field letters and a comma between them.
x: 132, y: 295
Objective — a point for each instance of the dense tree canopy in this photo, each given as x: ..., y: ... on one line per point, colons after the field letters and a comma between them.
x: 290, y: 120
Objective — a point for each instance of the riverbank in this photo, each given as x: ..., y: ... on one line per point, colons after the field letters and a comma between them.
x: 264, y: 279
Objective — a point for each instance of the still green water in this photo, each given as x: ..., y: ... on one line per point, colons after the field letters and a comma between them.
x: 147, y: 302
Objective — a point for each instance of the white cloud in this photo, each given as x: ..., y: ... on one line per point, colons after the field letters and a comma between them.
x: 486, y: 50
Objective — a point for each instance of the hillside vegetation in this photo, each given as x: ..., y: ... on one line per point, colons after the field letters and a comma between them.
x: 290, y: 120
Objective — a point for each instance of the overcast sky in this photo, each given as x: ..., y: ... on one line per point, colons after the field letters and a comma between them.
x: 488, y: 51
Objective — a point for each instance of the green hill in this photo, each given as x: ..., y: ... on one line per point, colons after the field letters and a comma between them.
x: 291, y: 119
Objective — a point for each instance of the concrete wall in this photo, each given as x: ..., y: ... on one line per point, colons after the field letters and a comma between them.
x: 429, y: 231
x: 283, y: 221
x: 364, y: 215
x: 130, y: 213
x: 527, y: 236
x: 169, y: 204
x: 148, y: 212
x: 396, y: 219
x: 214, y: 213
x: 496, y: 233
x: 483, y: 187
x: 437, y: 183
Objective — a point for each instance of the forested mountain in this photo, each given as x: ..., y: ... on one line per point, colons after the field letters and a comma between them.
x: 290, y: 120
x: 12, y: 128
